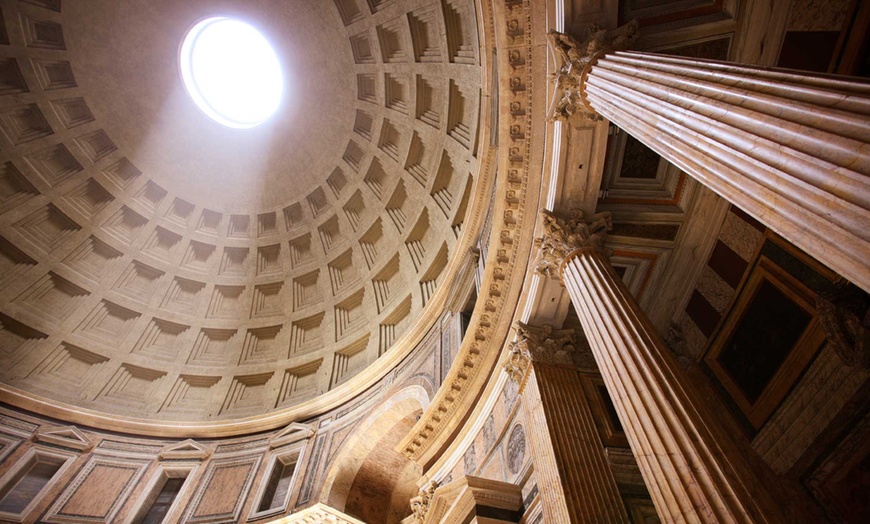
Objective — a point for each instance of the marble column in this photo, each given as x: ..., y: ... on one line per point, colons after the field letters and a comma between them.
x: 693, y: 468
x: 791, y: 149
x: 574, y: 477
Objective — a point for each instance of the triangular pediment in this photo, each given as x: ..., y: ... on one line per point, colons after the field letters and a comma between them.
x: 186, y: 450
x: 292, y: 433
x: 64, y: 436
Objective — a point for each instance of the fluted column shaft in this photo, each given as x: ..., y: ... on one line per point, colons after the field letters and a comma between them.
x: 694, y: 471
x: 573, y: 474
x: 790, y: 149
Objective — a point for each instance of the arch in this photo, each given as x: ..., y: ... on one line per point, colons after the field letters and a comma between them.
x: 375, y: 440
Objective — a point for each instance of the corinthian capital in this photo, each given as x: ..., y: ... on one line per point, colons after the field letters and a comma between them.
x: 564, y: 235
x: 574, y: 58
x: 563, y: 347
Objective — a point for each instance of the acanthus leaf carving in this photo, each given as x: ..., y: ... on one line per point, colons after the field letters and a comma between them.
x: 575, y: 58
x: 546, y: 344
x: 564, y: 235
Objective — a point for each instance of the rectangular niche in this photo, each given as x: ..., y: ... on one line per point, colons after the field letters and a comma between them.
x: 429, y: 102
x: 299, y: 383
x: 394, y: 325
x: 15, y: 189
x: 52, y: 298
x: 73, y: 112
x: 122, y: 173
x: 13, y: 263
x: 240, y: 226
x: 260, y: 345
x: 349, y: 315
x: 150, y: 196
x: 293, y: 215
x: 399, y: 206
x: 24, y: 485
x: 280, y: 476
x: 361, y: 48
x: 209, y: 222
x: 376, y: 177
x: 330, y: 233
x: 68, y: 368
x: 16, y: 339
x: 96, y: 145
x: 267, y: 224
x: 396, y: 92
x: 390, y: 140
x: 234, y: 261
x: 429, y: 280
x: 387, y: 283
x: 163, y: 498
x: 54, y: 164
x: 425, y: 35
x: 198, y: 256
x: 461, y: 37
x: 268, y: 300
x: 371, y: 243
x: 353, y: 155
x: 342, y: 271
x: 180, y: 212
x: 317, y: 202
x: 418, y: 239
x: 93, y: 259
x: 460, y: 115
x: 183, y: 296
x: 349, y: 11
x: 269, y: 260
x: 392, y: 41
x: 24, y: 123
x: 442, y: 190
x: 306, y: 334
x: 11, y: 80
x: 306, y: 291
x: 212, y: 347
x: 88, y: 198
x: 336, y: 180
x: 300, y: 251
x: 363, y: 124
x: 355, y: 209
x: 365, y: 87
x: 161, y: 340
x: 139, y: 281
x: 132, y: 386
x: 46, y: 228
x: 349, y: 360
x: 191, y: 394
x: 247, y: 394
x: 54, y: 74
x: 419, y: 159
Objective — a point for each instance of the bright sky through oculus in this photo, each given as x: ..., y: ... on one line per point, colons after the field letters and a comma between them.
x: 231, y: 72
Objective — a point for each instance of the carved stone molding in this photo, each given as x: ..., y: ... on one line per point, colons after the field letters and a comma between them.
x: 420, y: 504
x: 575, y: 59
x: 564, y: 235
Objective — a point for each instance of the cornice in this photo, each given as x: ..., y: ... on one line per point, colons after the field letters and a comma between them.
x: 517, y: 192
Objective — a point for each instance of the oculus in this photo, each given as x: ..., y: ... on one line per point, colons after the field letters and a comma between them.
x: 231, y: 72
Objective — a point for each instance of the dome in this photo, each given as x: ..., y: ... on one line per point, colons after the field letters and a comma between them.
x: 160, y: 266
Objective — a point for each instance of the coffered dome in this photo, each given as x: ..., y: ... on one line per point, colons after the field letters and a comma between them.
x: 157, y: 265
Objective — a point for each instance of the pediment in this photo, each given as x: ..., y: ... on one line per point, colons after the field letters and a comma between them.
x: 292, y: 433
x: 186, y: 450
x: 64, y: 436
